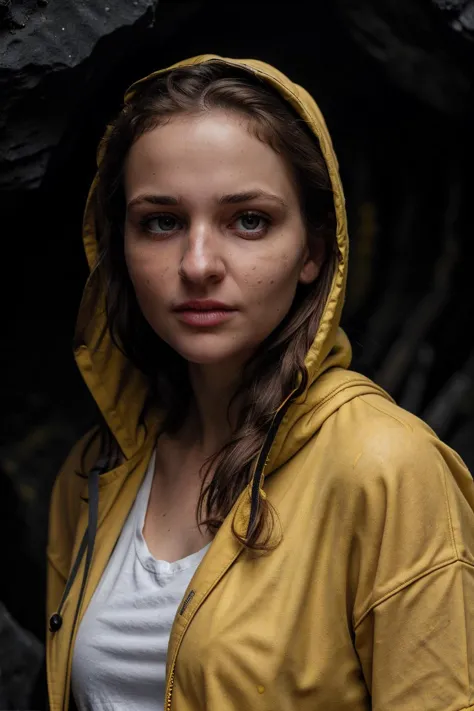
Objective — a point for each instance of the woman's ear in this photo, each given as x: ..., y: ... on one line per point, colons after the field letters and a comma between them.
x: 313, y: 261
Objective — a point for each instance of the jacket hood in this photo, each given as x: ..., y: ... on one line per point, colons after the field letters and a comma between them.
x: 120, y: 390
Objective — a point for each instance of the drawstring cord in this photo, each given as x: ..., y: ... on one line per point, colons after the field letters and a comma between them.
x: 87, y: 543
x: 257, y: 492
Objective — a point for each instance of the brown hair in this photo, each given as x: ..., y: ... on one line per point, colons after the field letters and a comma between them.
x: 277, y: 368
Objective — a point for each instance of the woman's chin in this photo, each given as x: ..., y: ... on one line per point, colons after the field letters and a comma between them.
x: 214, y: 353
x: 202, y: 358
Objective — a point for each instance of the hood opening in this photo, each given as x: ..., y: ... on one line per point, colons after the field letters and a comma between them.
x: 119, y: 389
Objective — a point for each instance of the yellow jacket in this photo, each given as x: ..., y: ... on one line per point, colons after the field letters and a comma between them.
x: 367, y: 601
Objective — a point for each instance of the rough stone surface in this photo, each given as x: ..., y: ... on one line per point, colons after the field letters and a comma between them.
x: 53, y: 55
x: 418, y: 43
x: 459, y: 14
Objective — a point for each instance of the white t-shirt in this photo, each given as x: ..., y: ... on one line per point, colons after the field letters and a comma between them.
x: 120, y: 651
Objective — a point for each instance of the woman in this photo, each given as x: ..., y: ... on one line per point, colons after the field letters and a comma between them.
x: 253, y: 526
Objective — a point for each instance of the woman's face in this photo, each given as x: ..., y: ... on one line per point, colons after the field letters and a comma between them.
x: 215, y: 242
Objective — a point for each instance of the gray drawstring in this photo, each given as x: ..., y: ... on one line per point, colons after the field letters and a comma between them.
x: 87, y: 543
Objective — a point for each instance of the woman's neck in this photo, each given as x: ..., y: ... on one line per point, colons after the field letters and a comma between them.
x: 213, y: 388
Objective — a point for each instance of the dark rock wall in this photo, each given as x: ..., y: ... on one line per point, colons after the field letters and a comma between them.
x: 426, y: 50
x: 53, y: 61
x: 394, y: 79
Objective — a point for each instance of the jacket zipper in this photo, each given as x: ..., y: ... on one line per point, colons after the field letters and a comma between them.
x: 170, y: 689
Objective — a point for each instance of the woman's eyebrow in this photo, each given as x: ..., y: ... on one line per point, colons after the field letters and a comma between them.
x: 229, y: 199
x: 234, y: 198
x: 154, y: 200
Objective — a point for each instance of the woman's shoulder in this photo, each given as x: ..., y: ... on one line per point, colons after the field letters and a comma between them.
x: 404, y: 498
x: 402, y: 479
x: 378, y: 432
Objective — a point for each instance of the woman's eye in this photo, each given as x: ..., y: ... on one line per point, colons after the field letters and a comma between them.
x: 160, y: 224
x: 251, y: 222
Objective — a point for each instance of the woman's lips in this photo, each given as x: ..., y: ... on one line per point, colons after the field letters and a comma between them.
x: 204, y: 318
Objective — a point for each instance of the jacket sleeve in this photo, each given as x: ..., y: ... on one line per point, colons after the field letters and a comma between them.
x: 417, y: 646
x: 414, y: 605
x: 63, y: 517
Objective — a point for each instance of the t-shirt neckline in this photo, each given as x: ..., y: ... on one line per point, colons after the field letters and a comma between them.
x: 160, y: 568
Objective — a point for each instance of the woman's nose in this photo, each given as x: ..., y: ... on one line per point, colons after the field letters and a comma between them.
x: 201, y: 261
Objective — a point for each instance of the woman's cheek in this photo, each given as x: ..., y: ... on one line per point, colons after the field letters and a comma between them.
x: 271, y: 293
x: 151, y: 291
